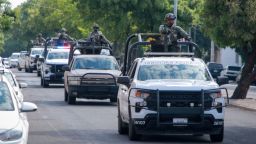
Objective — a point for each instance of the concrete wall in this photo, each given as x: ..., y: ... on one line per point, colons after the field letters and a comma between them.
x: 228, y: 56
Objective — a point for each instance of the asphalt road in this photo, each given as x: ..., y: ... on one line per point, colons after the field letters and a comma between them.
x: 95, y: 122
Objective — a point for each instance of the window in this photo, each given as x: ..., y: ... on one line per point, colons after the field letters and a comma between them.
x: 168, y: 71
x: 58, y: 55
x: 6, y: 103
x: 132, y: 71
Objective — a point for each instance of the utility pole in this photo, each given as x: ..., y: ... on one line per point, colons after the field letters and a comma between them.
x: 175, y: 9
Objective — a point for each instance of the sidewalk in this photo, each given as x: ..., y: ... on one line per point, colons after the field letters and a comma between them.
x: 249, y: 103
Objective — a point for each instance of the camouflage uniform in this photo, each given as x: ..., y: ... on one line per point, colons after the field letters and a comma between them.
x: 97, y: 36
x: 39, y: 39
x: 171, y: 33
x: 64, y: 36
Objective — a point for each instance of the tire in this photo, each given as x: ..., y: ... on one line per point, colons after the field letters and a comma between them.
x: 38, y: 73
x: 41, y: 81
x: 26, y: 69
x: 71, y: 100
x: 30, y: 70
x: 132, y: 132
x: 65, y: 95
x: 122, y: 127
x: 19, y: 69
x: 113, y: 100
x: 217, y: 137
x: 45, y: 84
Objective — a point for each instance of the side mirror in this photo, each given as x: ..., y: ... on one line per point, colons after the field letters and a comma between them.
x: 125, y: 80
x: 66, y: 68
x: 221, y: 80
x: 41, y: 59
x: 37, y: 56
x: 28, y: 107
x: 23, y: 85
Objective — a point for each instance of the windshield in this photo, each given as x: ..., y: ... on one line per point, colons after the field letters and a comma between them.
x: 6, y: 103
x: 8, y: 75
x: 58, y: 55
x: 14, y: 56
x: 173, y: 71
x: 99, y: 63
x: 36, y: 52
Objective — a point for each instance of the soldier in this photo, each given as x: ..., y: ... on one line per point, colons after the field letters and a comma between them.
x: 39, y: 39
x: 64, y: 36
x: 97, y: 36
x: 171, y: 32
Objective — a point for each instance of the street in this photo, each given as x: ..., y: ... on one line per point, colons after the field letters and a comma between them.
x: 95, y: 122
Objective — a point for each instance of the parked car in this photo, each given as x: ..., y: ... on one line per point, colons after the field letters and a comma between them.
x: 231, y: 72
x: 14, y: 83
x: 5, y: 62
x: 14, y: 60
x: 253, y: 82
x: 14, y: 125
x: 215, y: 69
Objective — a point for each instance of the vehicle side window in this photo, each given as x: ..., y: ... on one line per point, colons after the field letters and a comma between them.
x: 71, y: 65
x: 132, y: 71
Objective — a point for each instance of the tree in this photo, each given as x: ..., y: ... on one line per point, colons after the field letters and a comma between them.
x: 233, y: 23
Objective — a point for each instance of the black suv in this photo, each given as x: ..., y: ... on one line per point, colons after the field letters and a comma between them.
x: 215, y: 69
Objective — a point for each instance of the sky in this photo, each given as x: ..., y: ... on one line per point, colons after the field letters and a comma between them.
x: 15, y: 3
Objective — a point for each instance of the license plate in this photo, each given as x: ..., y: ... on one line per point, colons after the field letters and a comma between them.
x: 180, y: 120
x: 215, y: 70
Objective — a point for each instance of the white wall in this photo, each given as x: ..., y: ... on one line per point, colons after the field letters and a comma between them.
x: 228, y: 56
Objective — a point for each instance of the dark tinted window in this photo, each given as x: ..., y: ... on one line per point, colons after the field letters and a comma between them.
x: 215, y: 66
x: 234, y: 68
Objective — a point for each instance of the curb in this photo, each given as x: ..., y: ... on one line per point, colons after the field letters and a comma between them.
x: 242, y: 106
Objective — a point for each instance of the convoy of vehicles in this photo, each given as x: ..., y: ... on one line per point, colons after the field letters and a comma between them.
x: 168, y: 93
x: 231, y: 72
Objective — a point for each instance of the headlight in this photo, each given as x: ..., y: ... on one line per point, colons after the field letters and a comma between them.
x: 74, y: 80
x: 139, y: 93
x: 215, y: 95
x: 11, y: 135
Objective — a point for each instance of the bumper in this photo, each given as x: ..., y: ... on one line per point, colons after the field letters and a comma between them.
x: 149, y: 126
x: 94, y: 92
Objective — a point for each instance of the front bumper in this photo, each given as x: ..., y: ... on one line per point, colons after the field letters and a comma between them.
x: 93, y: 91
x: 149, y: 125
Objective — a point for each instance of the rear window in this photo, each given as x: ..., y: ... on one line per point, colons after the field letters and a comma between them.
x: 234, y: 68
x: 215, y: 66
x: 6, y: 103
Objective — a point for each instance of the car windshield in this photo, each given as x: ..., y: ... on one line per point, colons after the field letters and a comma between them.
x: 58, y: 55
x: 99, y: 63
x: 8, y: 75
x: 234, y: 68
x: 173, y: 71
x: 14, y: 56
x: 6, y: 103
x: 36, y: 52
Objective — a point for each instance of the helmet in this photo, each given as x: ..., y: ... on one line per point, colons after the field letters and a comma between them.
x: 170, y: 16
x: 39, y: 35
x: 63, y: 30
x: 95, y: 26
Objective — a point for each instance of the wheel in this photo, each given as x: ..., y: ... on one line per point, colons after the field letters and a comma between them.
x: 26, y: 69
x: 41, y: 81
x: 71, y: 100
x: 218, y: 137
x: 132, y: 132
x: 19, y: 69
x: 65, y: 95
x: 113, y: 100
x: 38, y: 73
x: 45, y: 84
x: 122, y: 127
x: 30, y: 70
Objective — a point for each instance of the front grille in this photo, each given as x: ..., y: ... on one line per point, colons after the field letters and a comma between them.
x: 97, y: 81
x: 178, y: 99
x: 57, y: 69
